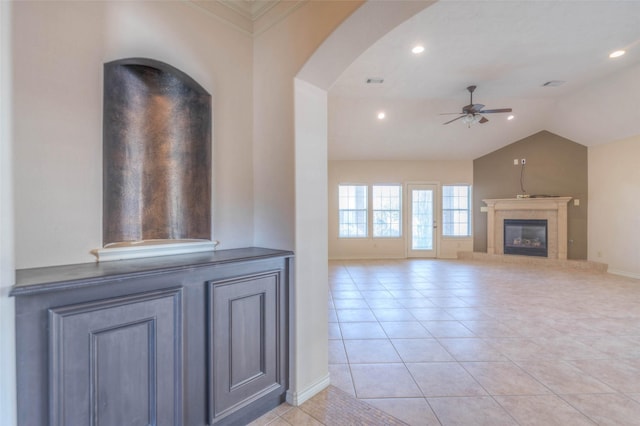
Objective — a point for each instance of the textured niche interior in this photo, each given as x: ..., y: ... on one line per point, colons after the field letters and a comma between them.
x: 157, y: 154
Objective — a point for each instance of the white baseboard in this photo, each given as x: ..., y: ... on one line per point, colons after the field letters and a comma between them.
x: 624, y: 273
x: 298, y: 398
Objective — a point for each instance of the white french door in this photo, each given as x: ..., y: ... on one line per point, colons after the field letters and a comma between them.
x: 422, y: 221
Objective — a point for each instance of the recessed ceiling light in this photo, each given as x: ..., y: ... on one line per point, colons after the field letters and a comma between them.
x: 381, y: 115
x: 511, y: 117
x: 417, y: 49
x: 617, y: 54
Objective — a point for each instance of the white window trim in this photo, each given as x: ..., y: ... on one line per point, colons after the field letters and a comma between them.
x: 442, y: 210
x: 340, y: 237
x: 370, y: 235
x: 401, y: 212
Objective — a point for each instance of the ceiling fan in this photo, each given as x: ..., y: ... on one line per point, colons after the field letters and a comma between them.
x: 472, y: 113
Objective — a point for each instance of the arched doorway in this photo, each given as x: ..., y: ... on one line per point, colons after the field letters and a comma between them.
x: 309, y: 363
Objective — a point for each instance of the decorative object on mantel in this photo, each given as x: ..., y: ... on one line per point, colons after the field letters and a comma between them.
x: 156, y: 161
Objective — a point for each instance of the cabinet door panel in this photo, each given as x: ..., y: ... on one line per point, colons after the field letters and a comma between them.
x: 117, y: 361
x: 122, y: 358
x: 248, y: 334
x: 244, y: 341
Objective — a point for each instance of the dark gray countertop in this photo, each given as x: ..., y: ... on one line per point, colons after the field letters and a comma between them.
x: 55, y: 278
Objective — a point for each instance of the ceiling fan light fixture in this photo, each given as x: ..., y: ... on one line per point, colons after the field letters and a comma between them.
x: 468, y: 119
x: 511, y: 117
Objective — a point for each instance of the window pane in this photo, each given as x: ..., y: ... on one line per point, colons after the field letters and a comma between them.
x: 387, y: 203
x: 352, y: 211
x: 456, y: 213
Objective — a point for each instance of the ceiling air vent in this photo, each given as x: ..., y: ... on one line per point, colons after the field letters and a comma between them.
x: 375, y: 80
x: 554, y: 83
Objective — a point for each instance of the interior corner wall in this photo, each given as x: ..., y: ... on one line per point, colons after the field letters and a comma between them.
x: 279, y: 53
x: 59, y: 49
x: 614, y: 203
x: 393, y: 172
x: 554, y: 166
x: 311, y: 337
x: 8, y: 407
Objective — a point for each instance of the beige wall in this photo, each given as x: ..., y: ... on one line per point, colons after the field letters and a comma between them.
x: 555, y: 166
x: 614, y: 206
x: 279, y: 53
x: 399, y: 172
x: 58, y: 52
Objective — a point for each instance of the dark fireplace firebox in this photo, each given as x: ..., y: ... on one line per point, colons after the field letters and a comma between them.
x: 525, y: 237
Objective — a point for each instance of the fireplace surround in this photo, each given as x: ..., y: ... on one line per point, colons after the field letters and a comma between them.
x: 551, y: 209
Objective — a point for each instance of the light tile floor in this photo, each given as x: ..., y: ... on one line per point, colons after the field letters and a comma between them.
x: 470, y: 343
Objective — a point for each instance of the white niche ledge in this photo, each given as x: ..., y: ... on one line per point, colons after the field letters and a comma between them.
x: 151, y: 248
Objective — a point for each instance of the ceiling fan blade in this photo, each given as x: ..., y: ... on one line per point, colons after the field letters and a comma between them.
x: 452, y: 113
x: 457, y: 118
x: 493, y: 111
x: 483, y: 120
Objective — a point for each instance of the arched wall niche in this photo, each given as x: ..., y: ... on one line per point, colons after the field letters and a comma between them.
x: 156, y: 154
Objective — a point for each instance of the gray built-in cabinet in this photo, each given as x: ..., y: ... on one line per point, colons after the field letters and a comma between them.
x: 196, y: 339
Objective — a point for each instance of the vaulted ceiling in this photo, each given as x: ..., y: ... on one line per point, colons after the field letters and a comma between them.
x: 509, y: 49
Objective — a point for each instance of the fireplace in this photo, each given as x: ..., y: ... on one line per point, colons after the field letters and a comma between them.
x: 525, y: 237
x: 551, y: 209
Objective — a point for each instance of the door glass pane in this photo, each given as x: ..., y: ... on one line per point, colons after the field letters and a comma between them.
x: 422, y: 219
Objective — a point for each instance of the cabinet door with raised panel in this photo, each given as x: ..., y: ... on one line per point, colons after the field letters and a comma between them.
x: 246, y: 342
x: 117, y: 361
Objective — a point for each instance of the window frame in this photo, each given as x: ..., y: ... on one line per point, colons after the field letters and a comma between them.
x: 468, y: 210
x: 341, y: 210
x: 399, y: 210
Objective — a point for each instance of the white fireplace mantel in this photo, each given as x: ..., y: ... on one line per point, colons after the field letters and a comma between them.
x: 553, y: 209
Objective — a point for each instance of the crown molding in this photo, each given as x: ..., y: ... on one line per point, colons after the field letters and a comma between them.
x: 250, y: 9
x: 251, y: 17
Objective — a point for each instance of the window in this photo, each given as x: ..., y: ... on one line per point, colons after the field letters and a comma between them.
x: 387, y: 200
x: 456, y: 210
x: 352, y: 210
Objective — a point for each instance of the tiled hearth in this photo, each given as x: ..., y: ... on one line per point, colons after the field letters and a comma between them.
x: 532, y: 261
